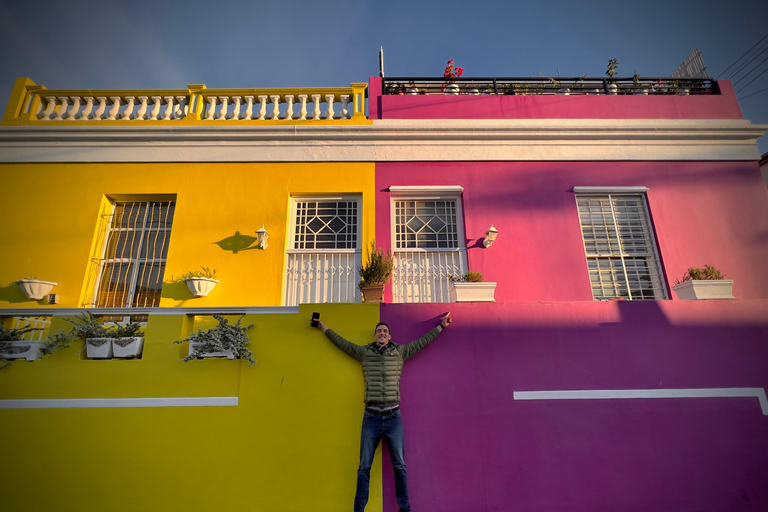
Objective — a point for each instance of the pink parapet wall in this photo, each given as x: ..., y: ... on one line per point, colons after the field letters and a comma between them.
x: 440, y: 106
x: 472, y: 445
x: 702, y: 212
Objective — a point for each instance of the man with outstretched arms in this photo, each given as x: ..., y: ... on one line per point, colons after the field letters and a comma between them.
x: 382, y: 366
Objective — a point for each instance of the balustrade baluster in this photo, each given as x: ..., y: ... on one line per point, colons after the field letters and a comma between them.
x: 211, y: 108
x: 181, y: 106
x: 303, y: 111
x: 289, y: 107
x: 248, y: 108
x: 129, y: 108
x: 263, y: 109
x: 329, y: 98
x: 141, y: 113
x: 86, y: 113
x: 62, y: 109
x: 345, y: 106
x: 112, y: 114
x: 169, y: 108
x: 48, y: 112
x: 224, y: 105
x: 316, y: 109
x: 98, y: 115
x: 275, y: 107
x: 155, y: 108
x: 74, y: 109
x: 236, y: 109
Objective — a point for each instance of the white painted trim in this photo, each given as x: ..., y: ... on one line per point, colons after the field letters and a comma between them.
x: 87, y: 403
x: 421, y: 190
x: 46, y: 311
x: 610, y: 190
x: 392, y: 140
x: 601, y: 394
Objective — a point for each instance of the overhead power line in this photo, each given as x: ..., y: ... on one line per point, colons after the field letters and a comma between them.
x: 745, y: 53
x: 758, y: 76
x: 752, y: 94
x: 750, y: 61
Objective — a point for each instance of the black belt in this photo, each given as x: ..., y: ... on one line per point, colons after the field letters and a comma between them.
x: 383, y: 412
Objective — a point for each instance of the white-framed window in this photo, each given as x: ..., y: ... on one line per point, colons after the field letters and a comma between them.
x: 323, y: 252
x: 428, y: 245
x: 620, y: 248
x: 132, y: 262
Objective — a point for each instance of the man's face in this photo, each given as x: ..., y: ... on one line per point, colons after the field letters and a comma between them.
x: 382, y: 335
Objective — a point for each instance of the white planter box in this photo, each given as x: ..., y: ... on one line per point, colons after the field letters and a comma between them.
x: 35, y: 289
x: 229, y: 354
x: 29, y: 350
x: 473, y: 292
x: 133, y: 347
x: 200, y: 286
x: 698, y: 289
x: 99, y: 348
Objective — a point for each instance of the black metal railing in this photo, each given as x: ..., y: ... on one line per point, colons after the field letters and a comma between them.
x: 543, y: 85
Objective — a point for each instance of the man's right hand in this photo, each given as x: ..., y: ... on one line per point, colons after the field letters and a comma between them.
x: 320, y: 325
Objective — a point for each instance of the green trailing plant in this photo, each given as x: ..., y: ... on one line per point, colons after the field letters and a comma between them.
x: 203, y: 272
x: 223, y: 337
x: 56, y: 342
x: 123, y: 334
x: 469, y: 277
x: 87, y: 326
x: 376, y: 268
x: 707, y: 273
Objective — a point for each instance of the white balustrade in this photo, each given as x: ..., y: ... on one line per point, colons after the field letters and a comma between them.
x: 181, y: 105
x: 303, y: 112
x: 236, y: 108
x: 345, y: 106
x: 112, y: 114
x: 211, y: 107
x: 128, y: 108
x: 322, y: 277
x: 248, y: 108
x: 289, y: 107
x: 86, y: 113
x: 425, y: 276
x: 101, y: 108
x: 224, y: 106
x: 74, y: 109
x: 329, y: 100
x: 141, y: 113
x: 62, y: 109
x: 275, y: 106
x: 169, y: 108
x: 263, y: 109
x: 50, y: 108
x: 316, y: 109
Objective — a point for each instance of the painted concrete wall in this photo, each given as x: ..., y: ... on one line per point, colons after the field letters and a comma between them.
x: 219, y: 207
x: 722, y: 106
x: 291, y: 443
x: 703, y: 213
x: 471, y: 446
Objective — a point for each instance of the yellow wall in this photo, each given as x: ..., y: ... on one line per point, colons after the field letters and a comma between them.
x: 50, y: 216
x: 290, y: 445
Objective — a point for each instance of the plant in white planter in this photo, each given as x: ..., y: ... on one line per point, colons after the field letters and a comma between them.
x: 12, y: 346
x: 375, y: 273
x: 103, y: 342
x: 200, y: 282
x: 35, y: 289
x: 127, y: 342
x: 472, y: 288
x: 706, y: 283
x: 224, y: 340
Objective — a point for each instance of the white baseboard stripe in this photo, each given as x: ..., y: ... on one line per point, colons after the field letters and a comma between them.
x: 601, y: 394
x: 79, y: 403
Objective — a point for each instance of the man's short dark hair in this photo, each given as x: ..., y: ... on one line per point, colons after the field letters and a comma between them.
x: 382, y: 323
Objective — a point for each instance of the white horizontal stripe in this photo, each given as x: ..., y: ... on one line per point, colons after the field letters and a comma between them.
x: 609, y: 190
x: 77, y: 403
x: 600, y: 394
x: 54, y: 311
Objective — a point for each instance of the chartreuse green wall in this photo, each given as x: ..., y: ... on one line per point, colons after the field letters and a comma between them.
x: 291, y: 444
x: 50, y: 225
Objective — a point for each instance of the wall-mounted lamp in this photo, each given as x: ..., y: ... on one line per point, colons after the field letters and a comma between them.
x: 261, y: 236
x: 490, y: 236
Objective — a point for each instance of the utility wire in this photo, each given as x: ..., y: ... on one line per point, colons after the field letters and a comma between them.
x: 751, y: 71
x: 756, y: 92
x: 758, y: 76
x: 750, y: 61
x: 745, y: 53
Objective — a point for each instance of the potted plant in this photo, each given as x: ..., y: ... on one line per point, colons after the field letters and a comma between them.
x: 450, y: 73
x: 34, y: 288
x: 375, y: 273
x: 13, y: 346
x: 224, y: 340
x: 200, y: 282
x: 472, y: 288
x: 706, y: 283
x: 97, y: 337
x: 127, y: 341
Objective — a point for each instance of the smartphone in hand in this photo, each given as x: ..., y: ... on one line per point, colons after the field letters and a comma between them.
x: 315, y: 319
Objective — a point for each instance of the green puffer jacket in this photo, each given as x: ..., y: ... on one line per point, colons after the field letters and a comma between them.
x: 381, y: 372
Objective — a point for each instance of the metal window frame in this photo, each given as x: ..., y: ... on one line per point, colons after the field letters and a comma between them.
x: 610, y: 193
x: 437, y: 193
x: 292, y: 223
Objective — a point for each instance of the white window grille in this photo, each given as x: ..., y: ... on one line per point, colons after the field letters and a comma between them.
x: 41, y: 324
x: 133, y: 262
x: 428, y: 245
x: 620, y: 247
x: 324, y: 254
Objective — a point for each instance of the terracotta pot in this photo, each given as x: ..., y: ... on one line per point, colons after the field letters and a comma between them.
x: 373, y: 293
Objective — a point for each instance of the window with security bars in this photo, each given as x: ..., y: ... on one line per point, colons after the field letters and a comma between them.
x: 426, y: 224
x: 133, y: 262
x: 326, y: 225
x: 620, y: 247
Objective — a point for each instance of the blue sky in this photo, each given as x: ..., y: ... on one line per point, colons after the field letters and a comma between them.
x: 292, y: 43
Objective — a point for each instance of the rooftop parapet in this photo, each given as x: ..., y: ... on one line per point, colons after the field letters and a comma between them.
x: 32, y: 104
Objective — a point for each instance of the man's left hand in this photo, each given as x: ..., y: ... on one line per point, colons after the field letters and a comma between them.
x: 446, y: 320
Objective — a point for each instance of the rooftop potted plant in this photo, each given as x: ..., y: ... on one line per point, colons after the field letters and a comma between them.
x: 450, y: 73
x: 706, y: 283
x: 13, y: 346
x: 375, y: 273
x: 471, y: 287
x: 200, y: 282
x: 224, y: 340
x: 34, y: 288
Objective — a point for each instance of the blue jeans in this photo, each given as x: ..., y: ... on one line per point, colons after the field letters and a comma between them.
x: 390, y: 427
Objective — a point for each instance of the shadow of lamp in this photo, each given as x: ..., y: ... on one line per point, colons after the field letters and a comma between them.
x: 490, y: 236
x: 262, y: 236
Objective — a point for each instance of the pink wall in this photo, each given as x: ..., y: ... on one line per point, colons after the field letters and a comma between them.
x: 470, y: 446
x: 723, y: 106
x: 703, y: 213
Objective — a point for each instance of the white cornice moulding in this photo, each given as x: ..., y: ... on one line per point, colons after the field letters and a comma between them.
x: 45, y: 311
x: 610, y: 190
x: 392, y: 141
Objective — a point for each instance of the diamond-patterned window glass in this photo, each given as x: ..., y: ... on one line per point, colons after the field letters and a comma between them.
x: 620, y: 247
x: 326, y: 225
x: 426, y: 224
x: 132, y: 268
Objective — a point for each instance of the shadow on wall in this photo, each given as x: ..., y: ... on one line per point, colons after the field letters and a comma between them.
x: 238, y: 242
x: 12, y: 293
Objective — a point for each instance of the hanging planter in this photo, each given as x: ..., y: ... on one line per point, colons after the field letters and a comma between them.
x: 35, y: 289
x: 472, y: 288
x: 200, y: 286
x: 706, y: 283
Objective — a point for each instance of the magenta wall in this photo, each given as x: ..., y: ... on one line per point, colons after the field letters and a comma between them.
x: 703, y: 213
x: 722, y: 106
x: 470, y: 446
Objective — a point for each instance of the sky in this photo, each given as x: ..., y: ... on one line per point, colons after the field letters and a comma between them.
x: 85, y: 44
